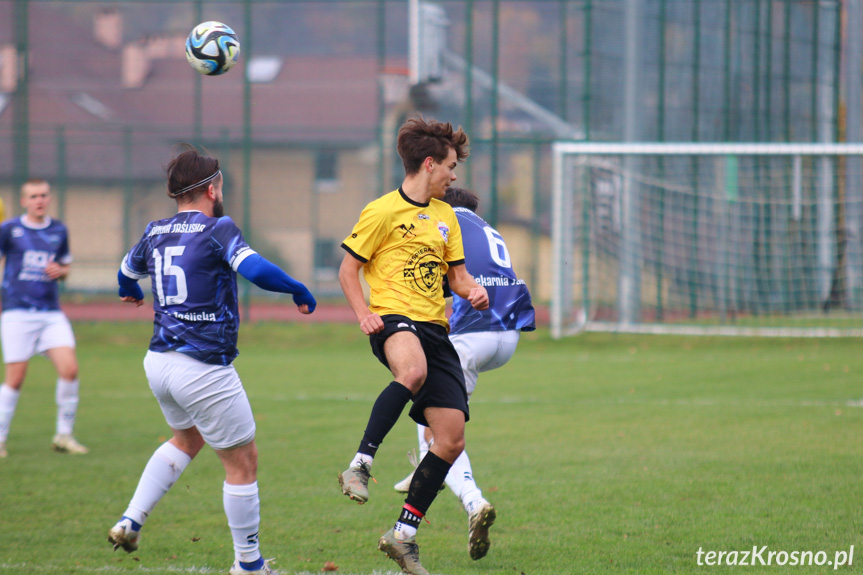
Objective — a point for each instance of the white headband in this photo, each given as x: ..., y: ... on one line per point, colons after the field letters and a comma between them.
x: 193, y: 186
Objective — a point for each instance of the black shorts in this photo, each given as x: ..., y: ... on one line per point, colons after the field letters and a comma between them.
x: 444, y: 385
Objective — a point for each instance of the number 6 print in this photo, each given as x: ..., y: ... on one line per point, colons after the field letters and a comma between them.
x: 497, y: 248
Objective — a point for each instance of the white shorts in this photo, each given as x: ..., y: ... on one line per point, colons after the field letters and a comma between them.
x: 209, y: 397
x: 483, y: 351
x: 24, y: 333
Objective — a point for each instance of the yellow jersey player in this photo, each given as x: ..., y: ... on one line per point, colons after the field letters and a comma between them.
x: 405, y: 243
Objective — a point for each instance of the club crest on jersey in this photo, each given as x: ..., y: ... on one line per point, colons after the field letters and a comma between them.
x: 423, y: 271
x: 444, y: 231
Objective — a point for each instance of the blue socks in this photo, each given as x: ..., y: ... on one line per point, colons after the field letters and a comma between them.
x: 253, y: 565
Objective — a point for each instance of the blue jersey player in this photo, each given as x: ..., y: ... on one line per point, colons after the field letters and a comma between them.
x: 485, y: 340
x: 192, y: 260
x: 36, y: 249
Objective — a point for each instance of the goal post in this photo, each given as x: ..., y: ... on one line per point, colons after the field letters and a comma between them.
x: 712, y: 239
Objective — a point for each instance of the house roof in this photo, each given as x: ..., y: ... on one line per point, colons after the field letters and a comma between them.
x: 312, y: 99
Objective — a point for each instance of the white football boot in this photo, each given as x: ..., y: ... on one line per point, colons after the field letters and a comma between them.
x: 63, y: 443
x: 122, y: 535
x: 405, y: 553
x: 479, y: 520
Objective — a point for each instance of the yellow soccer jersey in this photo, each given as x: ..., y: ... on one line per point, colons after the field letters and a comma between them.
x: 407, y: 248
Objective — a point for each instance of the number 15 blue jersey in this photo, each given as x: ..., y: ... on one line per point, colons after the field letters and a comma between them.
x: 191, y: 260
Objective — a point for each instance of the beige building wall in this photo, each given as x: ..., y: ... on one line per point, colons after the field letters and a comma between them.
x: 290, y: 210
x: 95, y: 222
x: 521, y: 250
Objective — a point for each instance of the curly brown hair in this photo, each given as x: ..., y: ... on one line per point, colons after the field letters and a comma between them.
x: 419, y: 139
x: 187, y: 167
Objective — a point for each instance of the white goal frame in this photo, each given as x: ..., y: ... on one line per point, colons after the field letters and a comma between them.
x: 567, y: 319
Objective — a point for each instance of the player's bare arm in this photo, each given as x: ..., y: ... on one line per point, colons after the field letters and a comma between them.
x: 463, y: 284
x: 349, y: 278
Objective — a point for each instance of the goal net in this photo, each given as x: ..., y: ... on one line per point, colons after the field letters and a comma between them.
x: 712, y: 239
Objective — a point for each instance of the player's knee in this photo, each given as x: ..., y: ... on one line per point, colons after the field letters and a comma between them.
x: 457, y: 448
x: 413, y: 378
x: 66, y: 363
x: 193, y: 446
x: 69, y: 372
x: 15, y: 381
x: 15, y: 373
x: 450, y: 448
x: 189, y: 442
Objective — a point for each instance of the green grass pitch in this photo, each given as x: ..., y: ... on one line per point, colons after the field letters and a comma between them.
x: 602, y: 454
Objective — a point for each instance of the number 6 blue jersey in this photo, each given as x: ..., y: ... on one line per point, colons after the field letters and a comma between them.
x: 191, y: 260
x: 487, y: 260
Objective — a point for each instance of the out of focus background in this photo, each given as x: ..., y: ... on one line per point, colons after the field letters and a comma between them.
x: 94, y: 95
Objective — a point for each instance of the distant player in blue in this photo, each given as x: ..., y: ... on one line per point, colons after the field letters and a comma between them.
x: 192, y: 260
x: 485, y: 340
x: 36, y: 248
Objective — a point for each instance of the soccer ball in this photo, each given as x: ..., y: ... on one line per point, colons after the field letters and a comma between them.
x: 212, y: 48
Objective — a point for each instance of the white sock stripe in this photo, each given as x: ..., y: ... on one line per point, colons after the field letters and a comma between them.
x: 241, y: 490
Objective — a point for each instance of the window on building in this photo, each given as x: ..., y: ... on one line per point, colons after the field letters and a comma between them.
x: 328, y: 258
x: 326, y: 170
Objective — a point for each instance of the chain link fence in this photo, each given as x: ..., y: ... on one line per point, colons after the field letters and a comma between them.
x: 94, y: 95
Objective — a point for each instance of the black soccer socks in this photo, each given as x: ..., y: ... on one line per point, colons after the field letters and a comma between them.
x: 386, y: 411
x: 428, y: 478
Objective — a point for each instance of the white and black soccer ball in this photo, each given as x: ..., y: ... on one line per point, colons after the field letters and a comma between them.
x: 212, y: 48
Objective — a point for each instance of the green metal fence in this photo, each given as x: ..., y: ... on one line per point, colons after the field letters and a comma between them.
x: 94, y: 94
